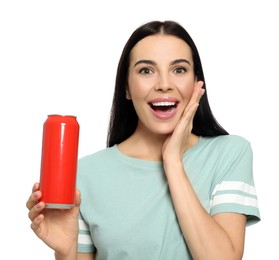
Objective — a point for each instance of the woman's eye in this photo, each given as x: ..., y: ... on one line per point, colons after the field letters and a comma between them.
x: 179, y: 70
x: 145, y: 71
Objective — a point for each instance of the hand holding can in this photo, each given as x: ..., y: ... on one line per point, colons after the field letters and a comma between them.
x: 59, y: 161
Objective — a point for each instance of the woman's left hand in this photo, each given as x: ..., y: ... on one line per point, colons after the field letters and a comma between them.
x: 176, y: 142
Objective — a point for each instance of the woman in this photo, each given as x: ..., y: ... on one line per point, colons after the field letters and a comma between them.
x: 172, y: 184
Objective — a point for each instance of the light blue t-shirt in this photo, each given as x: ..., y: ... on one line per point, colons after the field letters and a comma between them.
x: 127, y: 211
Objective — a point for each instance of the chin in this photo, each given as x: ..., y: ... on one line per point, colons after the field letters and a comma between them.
x: 164, y: 130
x: 155, y: 128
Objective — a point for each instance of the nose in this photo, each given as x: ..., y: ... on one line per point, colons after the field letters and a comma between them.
x: 163, y: 83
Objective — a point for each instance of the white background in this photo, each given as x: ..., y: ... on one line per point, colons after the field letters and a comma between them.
x: 61, y: 57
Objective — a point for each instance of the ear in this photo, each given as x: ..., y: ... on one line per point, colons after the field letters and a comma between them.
x: 128, y: 95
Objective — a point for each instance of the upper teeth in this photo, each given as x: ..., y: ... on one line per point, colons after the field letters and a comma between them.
x: 163, y: 104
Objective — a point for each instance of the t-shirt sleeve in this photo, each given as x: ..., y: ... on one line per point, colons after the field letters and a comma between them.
x: 85, y: 243
x: 234, y: 189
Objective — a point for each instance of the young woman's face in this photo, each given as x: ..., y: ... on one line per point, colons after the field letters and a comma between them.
x: 160, y: 81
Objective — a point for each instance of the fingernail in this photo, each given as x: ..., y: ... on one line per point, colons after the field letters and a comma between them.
x: 36, y: 194
x: 39, y: 205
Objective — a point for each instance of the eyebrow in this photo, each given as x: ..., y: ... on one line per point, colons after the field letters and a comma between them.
x: 154, y: 63
x: 180, y: 61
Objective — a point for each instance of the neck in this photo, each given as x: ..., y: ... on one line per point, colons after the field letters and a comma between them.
x: 142, y: 146
x: 148, y: 146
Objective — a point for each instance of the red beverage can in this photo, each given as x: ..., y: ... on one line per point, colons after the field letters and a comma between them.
x: 59, y: 161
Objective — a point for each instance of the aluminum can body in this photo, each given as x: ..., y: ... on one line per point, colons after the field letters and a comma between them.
x: 59, y: 161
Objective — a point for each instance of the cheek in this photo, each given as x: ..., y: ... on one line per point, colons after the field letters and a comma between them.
x: 137, y: 89
x: 186, y: 92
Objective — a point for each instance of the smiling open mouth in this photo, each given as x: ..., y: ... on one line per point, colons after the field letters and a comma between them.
x: 167, y: 106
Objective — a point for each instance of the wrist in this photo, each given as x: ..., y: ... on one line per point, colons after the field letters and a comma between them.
x: 172, y: 166
x: 71, y: 255
x: 171, y: 158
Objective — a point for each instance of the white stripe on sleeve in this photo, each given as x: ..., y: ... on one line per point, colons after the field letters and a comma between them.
x: 234, y: 198
x: 236, y: 186
x: 84, y: 239
x: 82, y: 225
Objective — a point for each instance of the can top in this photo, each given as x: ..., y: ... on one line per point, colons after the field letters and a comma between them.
x: 61, y: 115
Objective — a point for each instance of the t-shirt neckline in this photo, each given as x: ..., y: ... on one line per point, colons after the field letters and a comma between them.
x: 146, y: 163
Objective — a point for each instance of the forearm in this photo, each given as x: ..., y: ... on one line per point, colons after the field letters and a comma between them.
x: 72, y: 255
x: 205, y: 238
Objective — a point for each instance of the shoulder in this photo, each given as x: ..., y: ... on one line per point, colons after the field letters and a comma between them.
x: 97, y: 158
x: 227, y: 142
x: 97, y: 155
x: 95, y: 165
x: 226, y: 147
x: 228, y: 139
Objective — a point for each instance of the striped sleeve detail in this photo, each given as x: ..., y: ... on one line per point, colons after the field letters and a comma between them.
x: 234, y: 185
x: 234, y: 196
x: 82, y: 225
x: 84, y: 237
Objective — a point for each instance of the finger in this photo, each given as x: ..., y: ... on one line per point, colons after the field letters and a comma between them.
x: 34, y: 197
x: 36, y: 224
x: 35, y: 187
x: 196, y: 96
x: 77, y: 198
x: 36, y: 211
x: 201, y: 90
x: 198, y: 91
x: 188, y: 115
